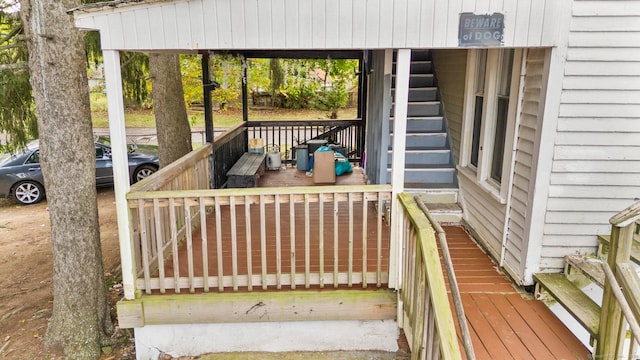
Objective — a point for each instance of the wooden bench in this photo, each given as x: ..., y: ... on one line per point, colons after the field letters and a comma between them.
x: 246, y: 171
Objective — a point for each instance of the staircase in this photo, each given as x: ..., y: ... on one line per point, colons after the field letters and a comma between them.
x: 580, y: 271
x: 429, y: 166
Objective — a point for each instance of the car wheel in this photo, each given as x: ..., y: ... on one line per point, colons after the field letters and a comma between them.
x: 28, y: 192
x: 143, y: 172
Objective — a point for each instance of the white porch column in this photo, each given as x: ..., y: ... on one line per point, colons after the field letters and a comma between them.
x: 403, y: 63
x: 115, y: 106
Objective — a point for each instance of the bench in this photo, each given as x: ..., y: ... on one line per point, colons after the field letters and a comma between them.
x: 246, y: 171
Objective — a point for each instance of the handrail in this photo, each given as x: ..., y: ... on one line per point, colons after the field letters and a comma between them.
x: 453, y: 282
x: 229, y: 135
x: 626, y: 216
x: 258, y: 123
x: 622, y: 301
x: 431, y: 278
x: 165, y: 175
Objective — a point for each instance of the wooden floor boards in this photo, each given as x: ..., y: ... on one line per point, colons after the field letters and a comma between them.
x: 505, y: 323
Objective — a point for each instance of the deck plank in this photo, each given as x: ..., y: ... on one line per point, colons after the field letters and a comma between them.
x: 553, y: 333
x: 521, y: 328
x: 507, y: 336
x: 486, y: 333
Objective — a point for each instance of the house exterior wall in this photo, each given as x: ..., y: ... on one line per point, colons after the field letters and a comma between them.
x: 312, y: 24
x: 596, y: 159
x: 450, y: 68
x: 527, y: 141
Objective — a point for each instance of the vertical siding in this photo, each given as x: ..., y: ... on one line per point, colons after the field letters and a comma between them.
x: 527, y: 136
x: 378, y: 110
x: 315, y: 24
x: 450, y: 68
x: 595, y: 171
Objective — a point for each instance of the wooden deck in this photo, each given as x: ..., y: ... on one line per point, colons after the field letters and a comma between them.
x: 505, y: 322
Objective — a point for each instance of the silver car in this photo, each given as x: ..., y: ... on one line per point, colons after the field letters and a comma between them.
x: 21, y: 176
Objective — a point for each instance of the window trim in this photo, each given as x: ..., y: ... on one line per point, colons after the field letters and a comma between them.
x: 482, y: 173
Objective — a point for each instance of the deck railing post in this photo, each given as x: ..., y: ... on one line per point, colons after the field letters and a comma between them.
x: 403, y: 63
x: 612, y: 331
x: 117, y: 132
x: 611, y: 324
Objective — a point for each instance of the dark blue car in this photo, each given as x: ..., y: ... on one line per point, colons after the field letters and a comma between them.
x: 21, y: 176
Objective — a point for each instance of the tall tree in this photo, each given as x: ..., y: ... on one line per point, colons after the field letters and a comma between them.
x: 172, y: 124
x: 57, y: 64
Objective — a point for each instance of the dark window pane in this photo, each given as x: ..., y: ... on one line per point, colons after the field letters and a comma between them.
x: 477, y: 125
x: 34, y: 158
x: 500, y: 134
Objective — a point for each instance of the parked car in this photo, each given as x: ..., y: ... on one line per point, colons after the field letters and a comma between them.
x: 21, y: 176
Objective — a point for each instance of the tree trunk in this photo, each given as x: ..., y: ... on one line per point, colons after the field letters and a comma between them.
x: 172, y: 124
x: 57, y: 64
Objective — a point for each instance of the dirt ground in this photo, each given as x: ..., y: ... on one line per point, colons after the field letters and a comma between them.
x: 26, y: 274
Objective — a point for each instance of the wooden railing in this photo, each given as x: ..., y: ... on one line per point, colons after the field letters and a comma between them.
x: 620, y: 313
x: 288, y: 134
x: 191, y: 172
x: 260, y: 237
x: 465, y: 333
x: 428, y: 320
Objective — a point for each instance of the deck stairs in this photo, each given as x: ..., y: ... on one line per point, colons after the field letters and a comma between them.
x: 567, y: 288
x: 429, y: 163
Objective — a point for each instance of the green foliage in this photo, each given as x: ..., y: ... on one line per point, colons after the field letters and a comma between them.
x: 191, y: 69
x: 322, y: 84
x: 136, y: 84
x: 227, y: 71
x: 17, y: 111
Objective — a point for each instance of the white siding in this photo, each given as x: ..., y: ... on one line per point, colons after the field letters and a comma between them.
x: 527, y: 137
x: 483, y: 213
x: 312, y: 24
x: 595, y: 171
x: 450, y: 67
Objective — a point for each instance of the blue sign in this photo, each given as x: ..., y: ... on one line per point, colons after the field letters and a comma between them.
x: 481, y: 30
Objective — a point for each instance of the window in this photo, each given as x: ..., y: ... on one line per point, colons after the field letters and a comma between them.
x: 34, y: 158
x: 490, y: 115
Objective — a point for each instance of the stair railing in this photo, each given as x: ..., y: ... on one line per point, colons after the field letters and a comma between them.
x: 453, y: 282
x: 621, y: 299
x: 426, y: 316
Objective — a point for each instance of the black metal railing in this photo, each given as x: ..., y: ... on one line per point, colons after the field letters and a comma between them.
x: 227, y: 149
x: 287, y: 135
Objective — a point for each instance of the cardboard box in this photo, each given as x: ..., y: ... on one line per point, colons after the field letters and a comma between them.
x: 324, y: 167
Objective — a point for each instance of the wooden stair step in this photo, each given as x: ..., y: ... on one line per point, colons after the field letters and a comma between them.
x: 635, y: 246
x: 589, y: 267
x: 577, y: 303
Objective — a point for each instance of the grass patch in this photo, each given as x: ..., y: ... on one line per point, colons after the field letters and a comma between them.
x: 226, y: 118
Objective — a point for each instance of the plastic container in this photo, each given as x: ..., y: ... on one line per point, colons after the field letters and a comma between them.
x: 256, y: 146
x: 302, y: 157
x: 315, y: 144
